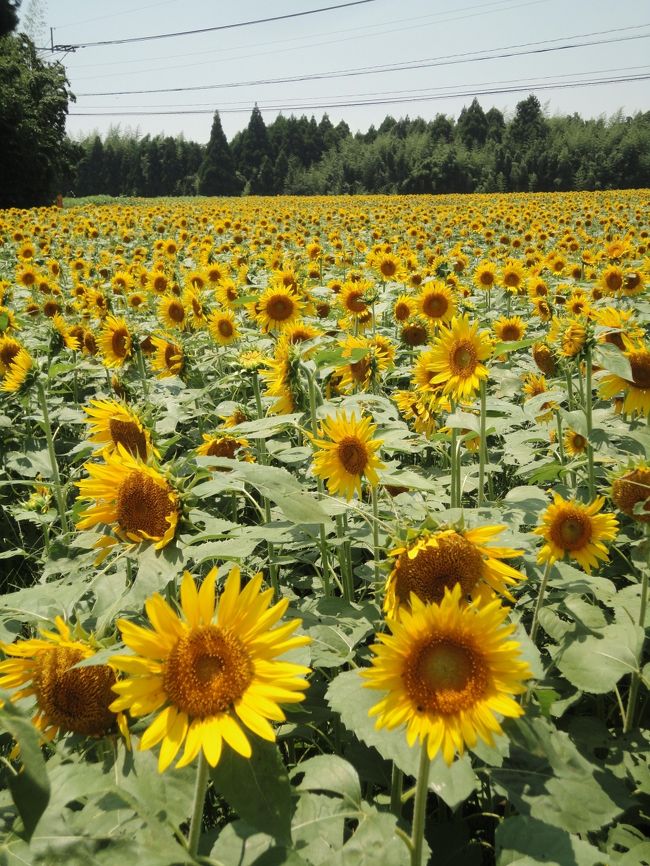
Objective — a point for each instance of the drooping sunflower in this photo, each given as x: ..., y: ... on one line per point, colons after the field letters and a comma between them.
x: 211, y: 672
x: 131, y: 497
x: 112, y: 423
x: 448, y: 671
x: 115, y: 342
x: 223, y: 445
x: 17, y: 372
x: 544, y: 358
x: 631, y: 489
x: 277, y: 307
x: 68, y: 699
x: 437, y: 302
x: 637, y: 392
x: 419, y: 409
x: 222, y: 326
x: 456, y: 356
x: 578, y: 531
x: 347, y: 453
x: 436, y: 561
x: 168, y: 359
x: 509, y: 328
x: 280, y: 378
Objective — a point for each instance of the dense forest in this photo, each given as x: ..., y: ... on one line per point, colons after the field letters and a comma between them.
x: 479, y: 152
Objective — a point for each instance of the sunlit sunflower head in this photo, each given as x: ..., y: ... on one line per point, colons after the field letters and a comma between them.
x: 346, y: 453
x: 115, y: 342
x: 9, y: 348
x: 278, y: 307
x: 387, y: 265
x: 569, y: 335
x: 168, y: 359
x: 448, y: 671
x: 67, y: 699
x: 544, y: 357
x: 509, y: 329
x: 574, y: 443
x: 301, y: 332
x: 436, y: 561
x: 403, y: 308
x: 212, y: 671
x: 611, y: 279
x: 636, y: 392
x: 132, y: 498
x: 417, y: 409
x: 17, y: 373
x: 223, y: 445
x: 570, y: 528
x: 370, y: 357
x: 355, y: 297
x: 416, y: 332
x: 112, y: 423
x: 578, y: 304
x: 172, y: 312
x: 282, y: 379
x: 456, y: 356
x: 631, y: 492
x: 436, y: 302
x: 537, y: 287
x: 223, y: 327
x: 633, y: 283
x: 158, y: 282
x: 485, y: 274
x: 513, y: 275
x: 618, y: 325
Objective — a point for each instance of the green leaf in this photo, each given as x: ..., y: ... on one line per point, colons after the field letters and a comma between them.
x: 595, y: 663
x: 257, y: 788
x: 464, y: 421
x: 241, y: 844
x: 348, y: 697
x: 30, y: 787
x: 610, y: 358
x: 330, y: 773
x: 523, y: 841
x: 373, y: 844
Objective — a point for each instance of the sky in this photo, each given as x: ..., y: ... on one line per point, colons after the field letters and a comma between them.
x: 443, y: 38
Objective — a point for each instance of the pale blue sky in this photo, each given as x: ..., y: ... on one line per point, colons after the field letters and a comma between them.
x: 380, y: 32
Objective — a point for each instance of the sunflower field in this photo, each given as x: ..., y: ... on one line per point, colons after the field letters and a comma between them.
x: 324, y: 531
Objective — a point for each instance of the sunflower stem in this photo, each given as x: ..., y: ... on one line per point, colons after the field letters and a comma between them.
x: 636, y: 676
x: 420, y: 807
x: 375, y: 534
x: 262, y: 458
x: 143, y: 372
x: 540, y: 599
x: 482, y: 448
x: 396, y: 784
x: 200, y: 788
x: 58, y: 491
x: 588, y: 413
x: 569, y: 387
x: 324, y: 551
x: 348, y: 591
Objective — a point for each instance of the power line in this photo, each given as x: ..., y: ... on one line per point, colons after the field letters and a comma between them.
x: 375, y: 102
x: 75, y: 46
x: 425, y: 63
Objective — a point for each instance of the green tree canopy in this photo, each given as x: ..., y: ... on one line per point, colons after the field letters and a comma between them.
x: 33, y: 107
x: 217, y: 171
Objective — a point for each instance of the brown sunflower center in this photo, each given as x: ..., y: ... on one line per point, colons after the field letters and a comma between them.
x: 631, y: 489
x: 130, y: 435
x: 159, y: 283
x: 279, y: 308
x: 360, y: 369
x: 353, y: 455
x: 445, y: 676
x: 414, y: 335
x: 143, y: 505
x: 402, y: 311
x: 571, y: 531
x: 388, y: 268
x: 355, y: 303
x: 435, y: 306
x: 463, y: 359
x: 614, y: 281
x: 176, y: 312
x: 640, y: 364
x: 486, y: 278
x: 119, y: 342
x: 74, y: 700
x: 511, y: 279
x: 226, y: 447
x: 441, y: 564
x: 8, y: 352
x: 510, y: 333
x: 225, y: 328
x: 207, y: 672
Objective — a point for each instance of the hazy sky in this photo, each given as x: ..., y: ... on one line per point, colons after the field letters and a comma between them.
x: 378, y: 33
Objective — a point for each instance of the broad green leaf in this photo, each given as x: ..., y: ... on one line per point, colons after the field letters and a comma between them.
x: 610, y: 358
x: 329, y: 773
x: 523, y: 840
x: 374, y: 843
x: 257, y: 788
x: 595, y: 663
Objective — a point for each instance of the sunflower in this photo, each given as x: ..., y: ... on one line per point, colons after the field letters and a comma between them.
x: 574, y: 443
x: 416, y: 332
x: 172, y: 312
x: 347, y: 454
x: 579, y: 531
x: 135, y: 499
x: 436, y: 302
x: 630, y: 490
x: 281, y: 381
x: 301, y: 332
x: 637, y: 392
x: 618, y: 323
x: 509, y: 329
x: 277, y: 307
x: 387, y: 264
x: 544, y: 358
x: 403, y: 308
x: 352, y: 297
x: 456, y: 356
x: 168, y: 359
x: 115, y: 342
x: 211, y: 672
x: 418, y: 409
x: 17, y: 372
x: 485, y: 275
x: 9, y: 348
x: 612, y: 279
x: 158, y: 282
x: 633, y: 284
x: 223, y: 445
x: 448, y: 670
x: 569, y: 335
x: 68, y: 699
x: 436, y: 561
x: 112, y: 424
x: 369, y: 359
x: 512, y: 275
x: 223, y: 327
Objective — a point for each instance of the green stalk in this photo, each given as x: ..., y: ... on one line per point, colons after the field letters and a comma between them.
x: 453, y: 457
x: 324, y: 550
x: 143, y: 371
x: 540, y: 599
x: 262, y: 459
x: 200, y: 787
x: 375, y: 533
x: 396, y: 784
x: 569, y: 387
x: 58, y: 491
x: 588, y: 413
x: 636, y: 676
x: 420, y: 807
x: 482, y: 448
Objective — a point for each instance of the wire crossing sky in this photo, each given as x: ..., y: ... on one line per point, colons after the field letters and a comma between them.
x: 358, y: 61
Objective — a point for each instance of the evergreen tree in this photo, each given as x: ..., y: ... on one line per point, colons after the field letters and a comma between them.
x: 216, y: 175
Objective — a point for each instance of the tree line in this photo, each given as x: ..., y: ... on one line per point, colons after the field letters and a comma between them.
x: 481, y: 151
